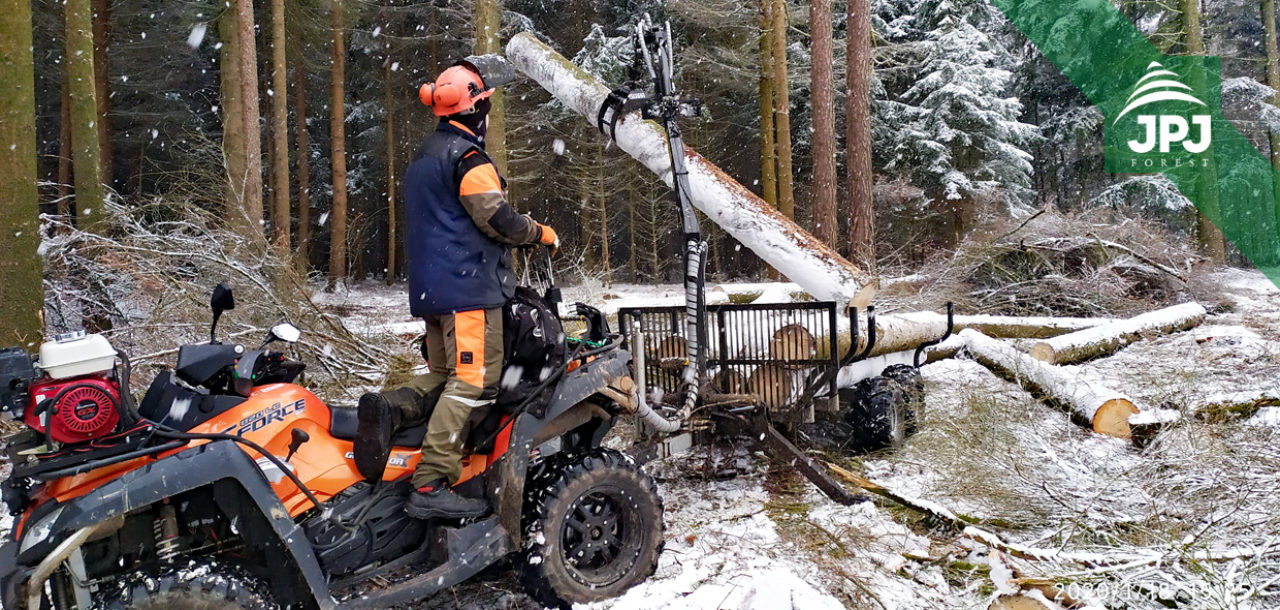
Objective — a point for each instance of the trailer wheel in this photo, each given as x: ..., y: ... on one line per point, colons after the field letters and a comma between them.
x: 202, y: 586
x: 911, y: 384
x: 876, y: 415
x: 593, y: 529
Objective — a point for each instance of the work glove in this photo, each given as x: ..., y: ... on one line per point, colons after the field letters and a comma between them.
x: 549, y: 238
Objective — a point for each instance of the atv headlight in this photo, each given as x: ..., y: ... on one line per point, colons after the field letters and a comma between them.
x: 40, y: 530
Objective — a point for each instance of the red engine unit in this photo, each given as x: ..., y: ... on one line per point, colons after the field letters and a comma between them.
x: 82, y: 408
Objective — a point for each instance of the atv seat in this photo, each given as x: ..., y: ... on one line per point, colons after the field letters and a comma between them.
x: 343, y: 422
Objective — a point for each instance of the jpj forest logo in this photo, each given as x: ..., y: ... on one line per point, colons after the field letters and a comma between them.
x: 1165, y: 123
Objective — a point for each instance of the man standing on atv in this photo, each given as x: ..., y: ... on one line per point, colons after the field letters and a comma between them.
x: 461, y: 228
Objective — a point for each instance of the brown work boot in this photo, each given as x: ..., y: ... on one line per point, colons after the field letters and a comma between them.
x: 437, y: 500
x: 378, y: 419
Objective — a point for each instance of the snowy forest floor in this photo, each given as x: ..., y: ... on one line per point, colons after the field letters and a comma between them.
x: 744, y: 532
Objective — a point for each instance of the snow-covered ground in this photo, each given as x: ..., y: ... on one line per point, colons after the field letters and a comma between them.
x: 765, y: 538
x: 743, y: 532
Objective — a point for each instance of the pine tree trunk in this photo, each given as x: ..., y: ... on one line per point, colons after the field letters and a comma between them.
x: 232, y: 108
x: 768, y: 150
x: 280, y: 217
x: 252, y: 129
x: 338, y: 148
x: 858, y: 136
x: 488, y: 30
x: 20, y: 267
x: 1273, y: 81
x: 824, y: 122
x: 303, y: 142
x: 391, y: 177
x: 101, y: 83
x: 782, y: 110
x: 64, y: 150
x: 1211, y: 239
x: 602, y: 198
x: 84, y: 111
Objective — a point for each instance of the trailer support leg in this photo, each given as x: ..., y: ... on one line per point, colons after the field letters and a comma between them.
x: 778, y: 446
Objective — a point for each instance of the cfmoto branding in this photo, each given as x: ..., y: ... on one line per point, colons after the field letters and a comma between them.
x: 1162, y: 132
x: 270, y: 415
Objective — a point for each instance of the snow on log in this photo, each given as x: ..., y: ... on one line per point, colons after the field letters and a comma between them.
x: 899, y: 332
x: 1026, y: 327
x: 1233, y: 405
x: 773, y: 237
x: 1109, y: 338
x: 1105, y: 410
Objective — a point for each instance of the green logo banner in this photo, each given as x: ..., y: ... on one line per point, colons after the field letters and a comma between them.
x: 1163, y: 115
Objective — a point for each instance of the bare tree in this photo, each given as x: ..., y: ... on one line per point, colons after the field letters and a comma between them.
x: 303, y: 142
x: 1273, y: 81
x: 768, y: 150
x: 248, y: 68
x: 280, y: 217
x: 488, y: 30
x: 824, y: 121
x: 1211, y: 239
x: 391, y: 174
x: 338, y: 147
x: 782, y: 110
x: 64, y: 150
x: 101, y: 82
x: 20, y: 267
x: 233, y: 150
x: 84, y: 108
x: 858, y: 135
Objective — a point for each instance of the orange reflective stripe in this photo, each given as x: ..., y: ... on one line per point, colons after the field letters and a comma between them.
x: 481, y: 179
x: 468, y: 337
x: 462, y: 127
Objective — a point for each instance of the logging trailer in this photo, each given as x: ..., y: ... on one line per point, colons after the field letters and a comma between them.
x: 705, y: 371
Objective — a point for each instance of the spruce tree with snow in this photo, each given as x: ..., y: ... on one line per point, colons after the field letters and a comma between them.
x: 958, y: 135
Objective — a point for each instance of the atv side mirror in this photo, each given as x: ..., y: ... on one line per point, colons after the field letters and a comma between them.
x: 221, y: 301
x: 283, y: 331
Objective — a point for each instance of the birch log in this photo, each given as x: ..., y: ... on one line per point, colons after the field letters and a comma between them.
x: 1105, y: 410
x: 773, y: 237
x: 1108, y: 339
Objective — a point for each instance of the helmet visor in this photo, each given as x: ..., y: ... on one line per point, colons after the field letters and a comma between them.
x: 493, y: 69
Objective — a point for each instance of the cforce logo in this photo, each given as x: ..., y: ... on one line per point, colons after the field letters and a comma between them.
x: 270, y: 415
x: 1163, y: 124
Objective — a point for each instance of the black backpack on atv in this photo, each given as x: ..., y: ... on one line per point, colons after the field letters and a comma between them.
x: 533, y: 349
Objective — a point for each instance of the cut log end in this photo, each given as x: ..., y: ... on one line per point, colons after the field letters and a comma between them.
x: 1112, y: 418
x: 792, y: 343
x: 1043, y: 352
x: 772, y: 385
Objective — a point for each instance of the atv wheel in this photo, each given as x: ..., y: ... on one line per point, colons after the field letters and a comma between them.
x: 207, y: 586
x: 593, y: 530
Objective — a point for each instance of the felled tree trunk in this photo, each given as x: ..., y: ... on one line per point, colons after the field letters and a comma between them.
x: 1109, y: 338
x: 1103, y: 409
x: 776, y: 239
x: 1236, y: 405
x: 1031, y: 327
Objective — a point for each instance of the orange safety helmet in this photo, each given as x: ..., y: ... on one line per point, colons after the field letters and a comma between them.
x: 458, y: 88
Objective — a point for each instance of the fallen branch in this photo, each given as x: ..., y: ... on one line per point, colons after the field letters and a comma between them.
x: 1110, y: 338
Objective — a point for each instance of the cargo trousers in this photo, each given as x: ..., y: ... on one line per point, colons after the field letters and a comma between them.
x: 464, y: 357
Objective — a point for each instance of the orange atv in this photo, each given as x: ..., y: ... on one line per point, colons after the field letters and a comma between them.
x: 230, y: 486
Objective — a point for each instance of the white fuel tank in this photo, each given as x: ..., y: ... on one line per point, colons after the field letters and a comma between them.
x: 76, y: 354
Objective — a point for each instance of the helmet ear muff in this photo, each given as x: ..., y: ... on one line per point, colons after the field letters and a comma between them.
x: 426, y: 93
x: 443, y: 95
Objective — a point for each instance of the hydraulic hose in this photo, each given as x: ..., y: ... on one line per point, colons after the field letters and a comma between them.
x: 643, y: 410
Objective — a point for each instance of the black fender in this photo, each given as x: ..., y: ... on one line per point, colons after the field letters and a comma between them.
x: 191, y: 469
x: 576, y: 386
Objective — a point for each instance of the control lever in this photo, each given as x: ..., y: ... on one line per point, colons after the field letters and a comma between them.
x: 299, y: 436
